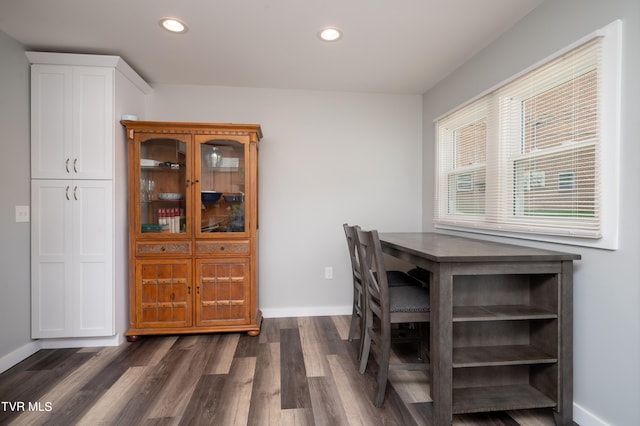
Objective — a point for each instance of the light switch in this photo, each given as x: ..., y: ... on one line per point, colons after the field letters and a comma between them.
x: 22, y: 214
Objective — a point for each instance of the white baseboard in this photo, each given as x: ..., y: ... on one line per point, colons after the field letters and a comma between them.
x: 20, y: 354
x: 82, y: 342
x: 583, y: 417
x: 310, y: 311
x: 24, y: 352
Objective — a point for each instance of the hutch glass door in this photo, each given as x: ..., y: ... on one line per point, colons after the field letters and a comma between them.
x: 163, y: 184
x: 222, y: 186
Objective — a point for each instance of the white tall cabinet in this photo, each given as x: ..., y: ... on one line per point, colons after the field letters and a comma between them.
x: 79, y: 192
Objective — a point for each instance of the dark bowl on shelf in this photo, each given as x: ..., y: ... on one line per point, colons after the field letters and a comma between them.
x: 232, y: 198
x: 210, y: 196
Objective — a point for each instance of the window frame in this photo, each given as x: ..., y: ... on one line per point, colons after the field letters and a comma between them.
x: 607, y: 158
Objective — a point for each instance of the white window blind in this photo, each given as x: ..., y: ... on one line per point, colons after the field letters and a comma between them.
x: 527, y: 156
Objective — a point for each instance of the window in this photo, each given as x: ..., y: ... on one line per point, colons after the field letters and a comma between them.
x: 536, y: 157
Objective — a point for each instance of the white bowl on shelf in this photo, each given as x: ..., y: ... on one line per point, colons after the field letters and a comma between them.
x: 169, y: 196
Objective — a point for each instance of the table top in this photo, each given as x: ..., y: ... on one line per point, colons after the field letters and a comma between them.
x: 449, y: 248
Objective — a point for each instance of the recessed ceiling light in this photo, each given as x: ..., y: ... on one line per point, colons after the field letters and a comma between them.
x: 174, y: 25
x: 330, y: 34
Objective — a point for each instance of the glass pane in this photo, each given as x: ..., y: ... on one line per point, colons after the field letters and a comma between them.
x: 467, y: 194
x: 222, y: 185
x: 562, y: 184
x: 471, y: 144
x: 163, y: 174
x: 565, y: 113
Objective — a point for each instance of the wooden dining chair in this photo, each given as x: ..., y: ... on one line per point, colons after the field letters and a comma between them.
x: 385, y: 306
x: 394, y: 278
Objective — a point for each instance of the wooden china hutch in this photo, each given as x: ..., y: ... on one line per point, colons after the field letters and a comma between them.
x: 193, y: 228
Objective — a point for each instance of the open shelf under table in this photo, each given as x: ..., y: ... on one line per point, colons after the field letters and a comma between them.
x: 499, y: 398
x: 488, y: 356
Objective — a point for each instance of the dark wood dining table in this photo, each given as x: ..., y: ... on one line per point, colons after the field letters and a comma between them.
x: 501, y: 323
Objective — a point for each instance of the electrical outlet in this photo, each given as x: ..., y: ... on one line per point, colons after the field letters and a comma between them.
x: 22, y: 214
x: 328, y: 272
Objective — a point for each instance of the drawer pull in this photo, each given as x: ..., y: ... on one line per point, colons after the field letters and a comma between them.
x: 163, y: 249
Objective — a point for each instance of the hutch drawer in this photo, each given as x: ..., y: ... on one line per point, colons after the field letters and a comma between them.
x: 163, y: 248
x: 233, y: 248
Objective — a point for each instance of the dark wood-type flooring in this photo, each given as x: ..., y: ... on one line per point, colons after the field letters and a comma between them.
x: 298, y: 371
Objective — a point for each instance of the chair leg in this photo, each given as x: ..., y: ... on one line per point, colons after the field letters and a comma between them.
x: 355, y: 322
x: 363, y: 327
x: 357, y: 317
x: 364, y: 352
x: 383, y: 373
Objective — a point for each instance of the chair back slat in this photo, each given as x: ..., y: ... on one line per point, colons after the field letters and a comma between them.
x: 350, y: 233
x: 376, y: 285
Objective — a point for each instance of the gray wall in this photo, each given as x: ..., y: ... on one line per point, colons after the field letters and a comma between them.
x: 326, y: 158
x: 607, y: 287
x: 15, y: 322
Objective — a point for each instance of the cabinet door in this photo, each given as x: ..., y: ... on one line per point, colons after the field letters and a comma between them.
x: 72, y: 258
x: 51, y: 121
x: 163, y: 293
x: 93, y: 289
x: 223, y: 294
x: 51, y: 258
x: 161, y: 183
x: 93, y: 123
x: 72, y: 122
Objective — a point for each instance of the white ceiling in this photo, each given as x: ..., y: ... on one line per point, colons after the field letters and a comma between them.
x: 389, y: 46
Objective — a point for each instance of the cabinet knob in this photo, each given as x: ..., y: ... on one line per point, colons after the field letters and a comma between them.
x: 163, y: 249
x: 75, y: 193
x: 66, y: 193
x: 66, y: 165
x: 75, y: 165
